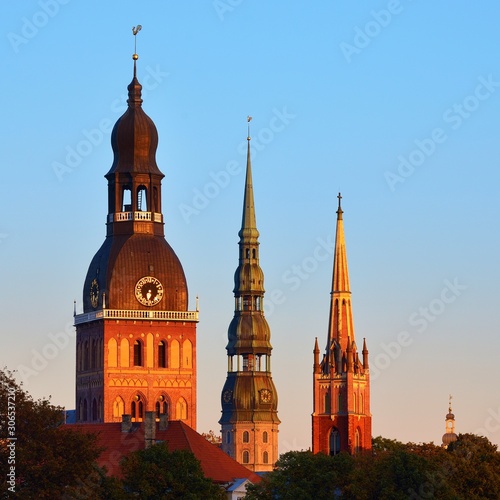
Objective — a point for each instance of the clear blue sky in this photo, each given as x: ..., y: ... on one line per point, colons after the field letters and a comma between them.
x: 394, y: 103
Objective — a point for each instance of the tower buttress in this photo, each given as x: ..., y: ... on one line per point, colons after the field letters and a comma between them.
x: 249, y: 421
x: 341, y: 418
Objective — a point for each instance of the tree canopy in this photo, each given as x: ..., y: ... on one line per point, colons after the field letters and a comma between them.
x: 468, y: 469
x: 39, y: 459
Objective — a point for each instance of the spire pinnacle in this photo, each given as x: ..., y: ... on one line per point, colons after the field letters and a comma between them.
x: 248, y: 223
x: 135, y: 30
x: 339, y: 210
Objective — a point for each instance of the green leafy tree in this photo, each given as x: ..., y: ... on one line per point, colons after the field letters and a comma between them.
x: 473, y: 466
x: 301, y: 474
x: 157, y: 473
x: 49, y: 460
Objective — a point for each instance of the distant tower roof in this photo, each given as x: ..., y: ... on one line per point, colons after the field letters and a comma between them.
x: 449, y: 436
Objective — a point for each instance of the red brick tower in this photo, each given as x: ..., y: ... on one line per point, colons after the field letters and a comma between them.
x: 341, y: 420
x: 136, y: 339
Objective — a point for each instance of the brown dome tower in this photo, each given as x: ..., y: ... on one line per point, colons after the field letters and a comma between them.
x: 136, y: 339
x: 249, y: 421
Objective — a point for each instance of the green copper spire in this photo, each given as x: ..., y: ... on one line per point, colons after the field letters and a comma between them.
x: 248, y: 230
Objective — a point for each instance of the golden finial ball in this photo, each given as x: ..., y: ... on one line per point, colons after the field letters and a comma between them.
x: 135, y: 57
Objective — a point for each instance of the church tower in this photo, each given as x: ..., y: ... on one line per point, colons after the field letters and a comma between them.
x: 136, y: 338
x: 249, y: 421
x: 341, y: 419
x: 449, y: 436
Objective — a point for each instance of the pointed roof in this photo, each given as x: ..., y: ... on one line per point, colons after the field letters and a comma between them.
x: 216, y: 465
x: 248, y: 222
x: 340, y: 281
x: 340, y: 326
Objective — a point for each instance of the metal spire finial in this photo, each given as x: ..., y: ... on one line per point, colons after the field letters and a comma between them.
x: 135, y: 30
x: 249, y: 119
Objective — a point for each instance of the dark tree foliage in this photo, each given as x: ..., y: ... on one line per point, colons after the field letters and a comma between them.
x: 468, y: 469
x: 49, y: 461
x: 156, y: 473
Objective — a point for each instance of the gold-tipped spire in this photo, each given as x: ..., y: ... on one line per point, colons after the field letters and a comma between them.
x: 135, y: 30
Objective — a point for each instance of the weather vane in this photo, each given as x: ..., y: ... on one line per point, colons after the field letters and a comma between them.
x: 249, y: 119
x: 135, y: 30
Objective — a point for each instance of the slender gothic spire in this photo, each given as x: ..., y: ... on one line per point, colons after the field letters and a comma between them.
x: 248, y: 223
x: 340, y: 328
x: 340, y: 282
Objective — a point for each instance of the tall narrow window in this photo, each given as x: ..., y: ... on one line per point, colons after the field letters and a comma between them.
x: 138, y: 354
x: 118, y: 408
x: 94, y: 410
x: 265, y: 457
x: 334, y: 442
x: 357, y: 441
x: 246, y: 457
x: 142, y: 204
x: 162, y: 355
x: 133, y: 410
x: 187, y: 352
x: 265, y: 437
x: 181, y: 409
x: 126, y: 200
x: 85, y: 414
x: 246, y: 437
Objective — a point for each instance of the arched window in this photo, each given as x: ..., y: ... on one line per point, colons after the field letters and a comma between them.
x: 355, y: 402
x: 174, y: 354
x: 142, y: 195
x: 246, y: 457
x: 84, y: 416
x: 118, y: 408
x: 357, y: 441
x: 181, y: 409
x: 253, y: 253
x: 265, y: 437
x: 361, y: 404
x: 94, y: 410
x: 112, y: 353
x: 124, y: 353
x: 228, y: 437
x: 327, y: 402
x: 126, y: 200
x: 247, y: 253
x: 86, y: 354
x: 334, y: 442
x: 93, y: 363
x: 265, y: 457
x: 246, y: 437
x: 161, y: 406
x: 187, y: 351
x: 137, y: 408
x: 162, y: 354
x: 138, y: 353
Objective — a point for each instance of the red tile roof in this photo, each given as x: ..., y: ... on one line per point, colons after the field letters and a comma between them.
x: 215, y: 464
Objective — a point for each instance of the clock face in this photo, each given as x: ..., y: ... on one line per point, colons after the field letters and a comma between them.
x: 148, y: 291
x: 227, y: 396
x: 265, y: 396
x: 94, y: 293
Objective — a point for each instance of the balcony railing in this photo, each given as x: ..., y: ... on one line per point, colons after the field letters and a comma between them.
x: 133, y: 314
x: 125, y: 216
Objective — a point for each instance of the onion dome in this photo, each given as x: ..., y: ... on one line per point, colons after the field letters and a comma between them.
x: 134, y: 138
